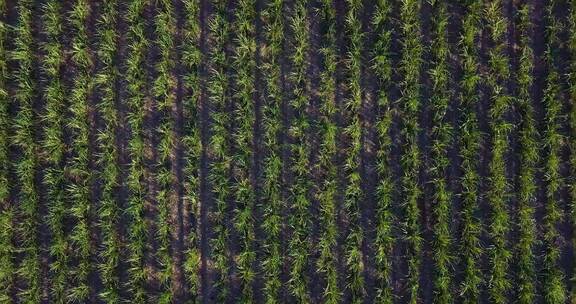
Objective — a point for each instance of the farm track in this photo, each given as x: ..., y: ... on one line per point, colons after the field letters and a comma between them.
x: 268, y: 151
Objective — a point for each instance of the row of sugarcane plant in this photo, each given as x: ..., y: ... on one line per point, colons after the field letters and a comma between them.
x: 164, y: 94
x: 572, y: 98
x: 272, y: 167
x: 244, y: 93
x: 529, y: 160
x: 78, y: 166
x: 219, y: 147
x: 6, y: 207
x: 353, y: 194
x: 499, y: 195
x: 299, y: 221
x: 192, y: 143
x: 410, y: 68
x: 382, y: 68
x: 470, y: 141
x: 554, y: 289
x: 328, y: 188
x: 54, y: 148
x: 137, y: 92
x: 109, y: 211
x: 27, y: 269
x: 443, y: 139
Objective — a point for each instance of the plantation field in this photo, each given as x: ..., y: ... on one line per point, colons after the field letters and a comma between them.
x: 288, y: 151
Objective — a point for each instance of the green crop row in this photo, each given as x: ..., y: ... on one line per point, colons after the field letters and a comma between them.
x: 26, y: 166
x: 353, y: 193
x: 410, y: 68
x: 499, y: 194
x: 554, y: 289
x: 137, y: 92
x: 382, y: 68
x: 327, y: 191
x: 244, y: 66
x: 6, y: 207
x: 299, y: 218
x: 54, y: 148
x: 471, y: 139
x: 191, y: 59
x: 220, y: 147
x: 274, y: 27
x: 442, y: 134
x: 529, y: 161
x: 109, y: 210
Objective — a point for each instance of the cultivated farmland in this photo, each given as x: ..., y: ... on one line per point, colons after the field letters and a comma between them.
x: 288, y: 151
